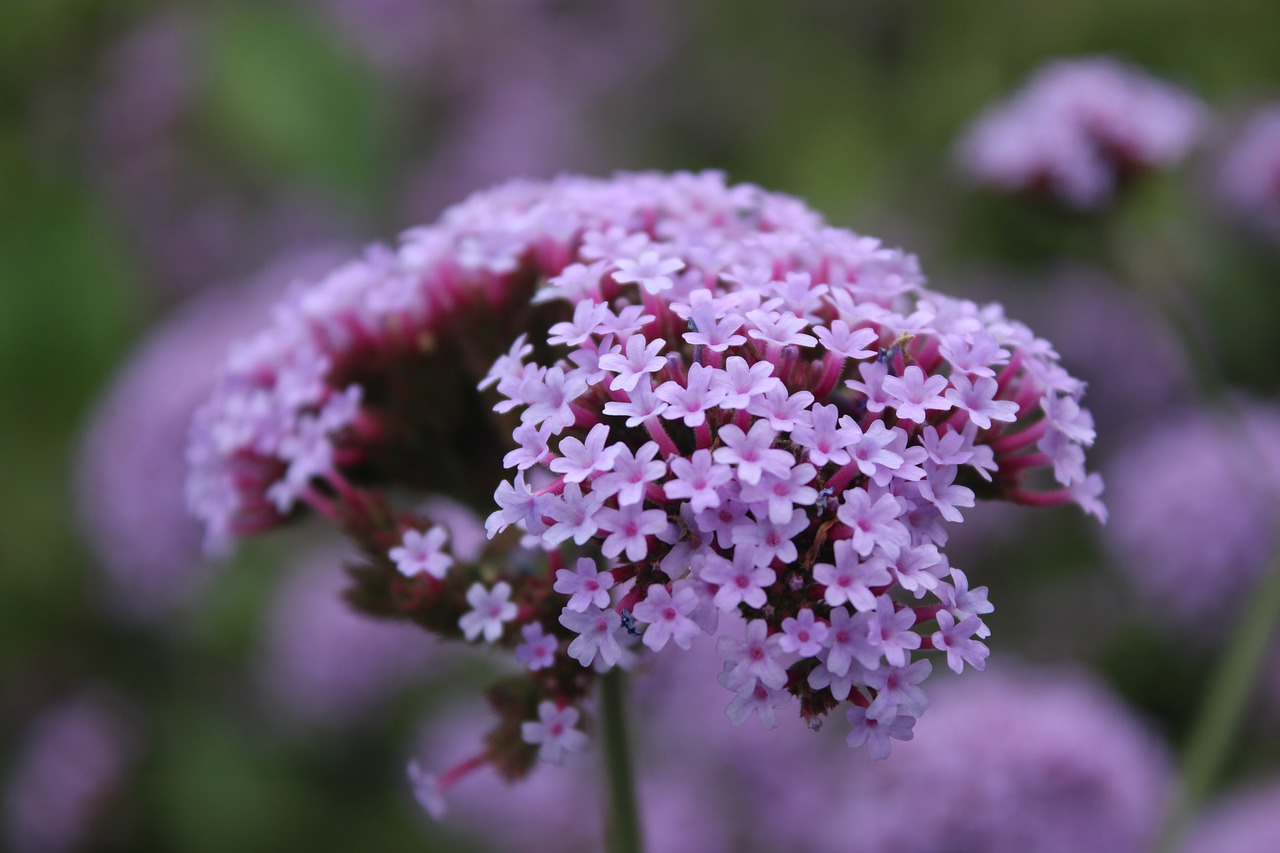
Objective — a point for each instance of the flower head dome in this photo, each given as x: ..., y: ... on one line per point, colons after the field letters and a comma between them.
x: 711, y: 402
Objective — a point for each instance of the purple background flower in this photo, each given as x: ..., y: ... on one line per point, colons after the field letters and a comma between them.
x: 71, y: 766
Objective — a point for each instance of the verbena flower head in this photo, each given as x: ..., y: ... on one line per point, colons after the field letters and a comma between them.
x: 1030, y: 763
x: 1195, y: 533
x: 1078, y: 129
x: 710, y: 403
x: 1249, y: 176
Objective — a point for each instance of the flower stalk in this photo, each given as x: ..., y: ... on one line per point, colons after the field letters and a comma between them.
x: 1225, y: 701
x: 622, y: 823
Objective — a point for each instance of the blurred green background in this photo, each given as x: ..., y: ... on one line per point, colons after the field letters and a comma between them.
x: 327, y: 123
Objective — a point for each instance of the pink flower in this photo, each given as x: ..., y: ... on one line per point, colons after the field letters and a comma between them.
x: 538, y: 651
x: 977, y: 398
x: 690, y: 402
x: 420, y: 551
x: 578, y: 459
x: 877, y: 734
x: 754, y: 658
x: 631, y: 473
x: 490, y: 610
x: 698, y: 480
x: 668, y: 616
x: 554, y: 733
x: 641, y: 358
x: 752, y: 452
x: 955, y: 639
x: 585, y: 586
x: 742, y: 382
x: 915, y: 393
x: 628, y: 527
x: 741, y: 581
x: 597, y: 635
x: 651, y: 271
x: 850, y: 579
x: 802, y: 634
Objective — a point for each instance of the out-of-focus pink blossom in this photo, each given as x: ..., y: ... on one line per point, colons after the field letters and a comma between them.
x: 1193, y: 513
x: 1249, y: 174
x: 72, y: 762
x: 324, y: 664
x: 1078, y: 128
x: 132, y: 465
x: 1045, y: 762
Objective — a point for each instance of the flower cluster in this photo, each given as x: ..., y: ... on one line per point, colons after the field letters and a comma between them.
x: 698, y: 430
x: 1194, y: 537
x: 68, y: 772
x: 369, y: 372
x: 1071, y: 768
x: 1249, y: 177
x: 1077, y: 129
x: 713, y: 405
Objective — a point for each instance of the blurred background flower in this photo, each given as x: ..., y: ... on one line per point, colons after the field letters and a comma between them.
x: 153, y: 153
x: 66, y: 785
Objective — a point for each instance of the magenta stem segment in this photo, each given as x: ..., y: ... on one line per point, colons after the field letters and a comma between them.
x: 833, y: 369
x: 1022, y: 438
x: 840, y: 479
x: 703, y: 433
x: 459, y: 771
x: 1054, y: 498
x: 659, y: 434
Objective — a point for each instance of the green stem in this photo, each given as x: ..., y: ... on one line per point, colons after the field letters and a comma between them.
x: 1230, y: 688
x: 622, y: 828
x: 1226, y: 699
